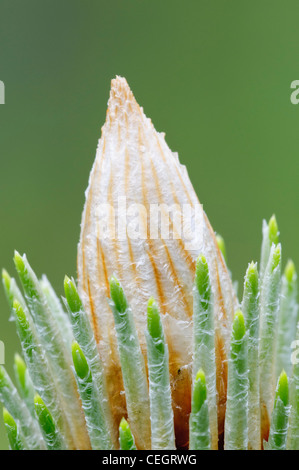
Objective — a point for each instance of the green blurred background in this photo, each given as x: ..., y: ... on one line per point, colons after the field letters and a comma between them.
x: 214, y: 75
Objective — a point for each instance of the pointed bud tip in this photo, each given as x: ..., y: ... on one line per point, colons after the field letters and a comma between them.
x: 119, y: 85
x: 72, y: 295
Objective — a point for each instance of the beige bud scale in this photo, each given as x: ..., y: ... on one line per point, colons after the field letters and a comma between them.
x: 134, y: 162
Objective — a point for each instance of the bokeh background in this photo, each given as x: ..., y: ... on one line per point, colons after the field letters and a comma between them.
x: 214, y: 75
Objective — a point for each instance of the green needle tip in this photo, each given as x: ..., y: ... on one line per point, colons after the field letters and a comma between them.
x: 20, y: 314
x: 199, y: 391
x: 126, y: 439
x: 290, y: 271
x: 72, y: 295
x: 20, y: 368
x: 252, y: 272
x: 273, y: 230
x: 153, y: 319
x: 252, y: 277
x: 124, y: 426
x: 117, y: 295
x: 8, y: 420
x: 202, y: 279
x: 239, y: 329
x: 6, y: 279
x: 52, y: 437
x: 19, y: 261
x: 79, y: 360
x: 38, y: 401
x: 283, y: 388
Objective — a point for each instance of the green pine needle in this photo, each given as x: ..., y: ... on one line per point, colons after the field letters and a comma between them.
x: 270, y: 237
x: 236, y: 417
x: 84, y: 337
x: 200, y: 438
x: 132, y: 365
x: 24, y: 383
x: 154, y: 325
x: 52, y: 436
x: 13, y: 435
x: 95, y: 419
x: 204, y: 356
x: 251, y: 310
x: 72, y: 295
x: 162, y: 425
